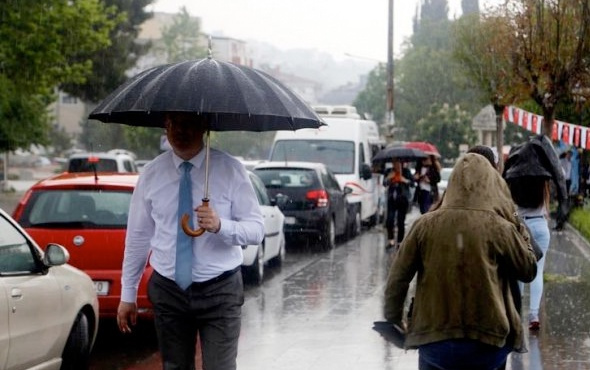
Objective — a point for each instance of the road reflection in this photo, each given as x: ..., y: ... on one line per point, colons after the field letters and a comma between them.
x: 316, y: 313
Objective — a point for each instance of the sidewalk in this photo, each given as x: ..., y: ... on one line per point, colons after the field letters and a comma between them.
x: 564, y: 339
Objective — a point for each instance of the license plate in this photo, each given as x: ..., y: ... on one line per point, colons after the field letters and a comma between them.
x: 289, y: 220
x: 101, y: 287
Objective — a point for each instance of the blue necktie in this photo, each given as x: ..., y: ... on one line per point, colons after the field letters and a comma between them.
x: 184, y: 243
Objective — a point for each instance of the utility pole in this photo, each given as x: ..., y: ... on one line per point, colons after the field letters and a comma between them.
x: 390, y: 116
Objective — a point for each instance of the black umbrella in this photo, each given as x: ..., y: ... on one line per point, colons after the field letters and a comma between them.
x: 399, y: 152
x: 230, y: 97
x: 227, y: 96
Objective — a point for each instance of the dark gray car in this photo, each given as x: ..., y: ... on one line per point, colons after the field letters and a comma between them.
x: 310, y: 197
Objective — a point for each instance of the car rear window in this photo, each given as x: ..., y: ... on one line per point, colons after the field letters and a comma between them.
x: 83, y: 165
x: 288, y: 178
x: 77, y: 209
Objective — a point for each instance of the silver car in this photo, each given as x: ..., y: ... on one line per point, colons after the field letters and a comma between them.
x: 48, y: 309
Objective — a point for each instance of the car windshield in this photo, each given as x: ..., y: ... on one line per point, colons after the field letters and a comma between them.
x: 77, y: 209
x: 287, y: 178
x: 337, y: 155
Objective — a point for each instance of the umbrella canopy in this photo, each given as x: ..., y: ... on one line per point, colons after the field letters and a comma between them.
x: 399, y: 152
x: 230, y: 97
x: 424, y: 146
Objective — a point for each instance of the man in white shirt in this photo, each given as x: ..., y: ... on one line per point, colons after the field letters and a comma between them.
x: 209, y: 302
x: 566, y: 164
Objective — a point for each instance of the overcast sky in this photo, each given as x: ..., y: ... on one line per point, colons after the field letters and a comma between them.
x: 349, y: 27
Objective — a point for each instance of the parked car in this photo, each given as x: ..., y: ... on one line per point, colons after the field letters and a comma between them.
x: 140, y: 163
x: 48, y: 309
x: 445, y: 173
x: 310, y: 197
x: 271, y: 251
x: 114, y: 161
x: 88, y: 216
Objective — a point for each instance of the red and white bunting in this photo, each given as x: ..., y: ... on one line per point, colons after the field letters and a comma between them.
x: 570, y: 134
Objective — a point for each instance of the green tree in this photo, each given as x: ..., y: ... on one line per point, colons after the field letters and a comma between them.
x: 110, y: 64
x: 447, y: 127
x: 550, y: 54
x: 470, y: 6
x: 180, y: 41
x: 371, y: 101
x: 483, y: 47
x: 40, y: 45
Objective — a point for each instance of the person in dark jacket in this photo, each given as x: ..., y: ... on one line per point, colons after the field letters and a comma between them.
x: 427, y: 177
x: 528, y: 171
x: 398, y: 183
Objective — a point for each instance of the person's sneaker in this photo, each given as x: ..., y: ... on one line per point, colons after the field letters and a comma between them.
x: 534, y: 323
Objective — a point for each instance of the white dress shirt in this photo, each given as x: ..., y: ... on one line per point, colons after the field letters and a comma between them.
x: 153, y: 219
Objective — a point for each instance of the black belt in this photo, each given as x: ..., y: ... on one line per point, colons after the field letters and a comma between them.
x: 531, y: 217
x: 224, y: 275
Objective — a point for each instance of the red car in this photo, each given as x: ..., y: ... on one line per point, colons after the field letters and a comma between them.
x: 88, y: 216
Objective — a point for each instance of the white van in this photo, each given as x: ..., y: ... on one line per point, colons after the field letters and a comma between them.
x: 346, y: 145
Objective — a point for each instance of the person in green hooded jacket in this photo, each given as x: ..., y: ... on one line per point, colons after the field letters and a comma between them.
x: 464, y: 255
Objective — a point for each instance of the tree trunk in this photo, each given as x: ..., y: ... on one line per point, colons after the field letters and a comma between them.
x: 548, y: 122
x: 499, y: 110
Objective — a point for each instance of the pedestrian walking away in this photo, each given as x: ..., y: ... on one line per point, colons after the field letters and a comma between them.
x: 196, y: 287
x: 427, y: 176
x: 464, y: 255
x: 398, y: 182
x: 528, y: 172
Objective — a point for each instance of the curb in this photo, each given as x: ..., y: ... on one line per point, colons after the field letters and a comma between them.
x: 584, y: 244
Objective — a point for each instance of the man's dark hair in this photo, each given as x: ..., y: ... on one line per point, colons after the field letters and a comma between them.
x: 486, y: 151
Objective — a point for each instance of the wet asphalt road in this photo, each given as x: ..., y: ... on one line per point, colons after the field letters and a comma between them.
x: 316, y: 313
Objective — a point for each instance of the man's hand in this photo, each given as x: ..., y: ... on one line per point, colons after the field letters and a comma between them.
x: 126, y: 315
x: 208, y: 218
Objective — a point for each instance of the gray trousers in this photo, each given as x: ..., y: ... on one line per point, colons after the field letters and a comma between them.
x: 211, y: 310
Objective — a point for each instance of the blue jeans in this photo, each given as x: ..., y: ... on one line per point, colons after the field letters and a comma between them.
x: 461, y: 354
x: 540, y: 232
x: 424, y: 200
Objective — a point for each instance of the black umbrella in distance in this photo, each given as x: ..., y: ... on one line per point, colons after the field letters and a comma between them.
x: 399, y: 152
x: 222, y: 96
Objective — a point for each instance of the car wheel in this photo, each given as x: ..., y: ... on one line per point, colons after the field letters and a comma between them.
x: 77, y: 350
x: 328, y: 238
x: 355, y: 227
x: 255, y: 272
x: 277, y: 261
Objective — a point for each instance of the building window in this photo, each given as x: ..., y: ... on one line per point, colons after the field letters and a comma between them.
x: 68, y: 99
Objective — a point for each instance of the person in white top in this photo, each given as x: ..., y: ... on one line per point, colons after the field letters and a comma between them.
x: 210, y: 306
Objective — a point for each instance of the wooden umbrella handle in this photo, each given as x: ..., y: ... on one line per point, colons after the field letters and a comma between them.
x: 184, y: 222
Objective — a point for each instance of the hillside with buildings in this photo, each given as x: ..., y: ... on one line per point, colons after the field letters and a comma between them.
x: 318, y: 77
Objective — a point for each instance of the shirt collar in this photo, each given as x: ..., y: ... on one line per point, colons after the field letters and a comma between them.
x: 196, y: 161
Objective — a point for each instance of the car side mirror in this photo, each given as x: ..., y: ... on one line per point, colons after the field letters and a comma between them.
x: 366, y: 172
x: 347, y: 190
x: 55, y: 255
